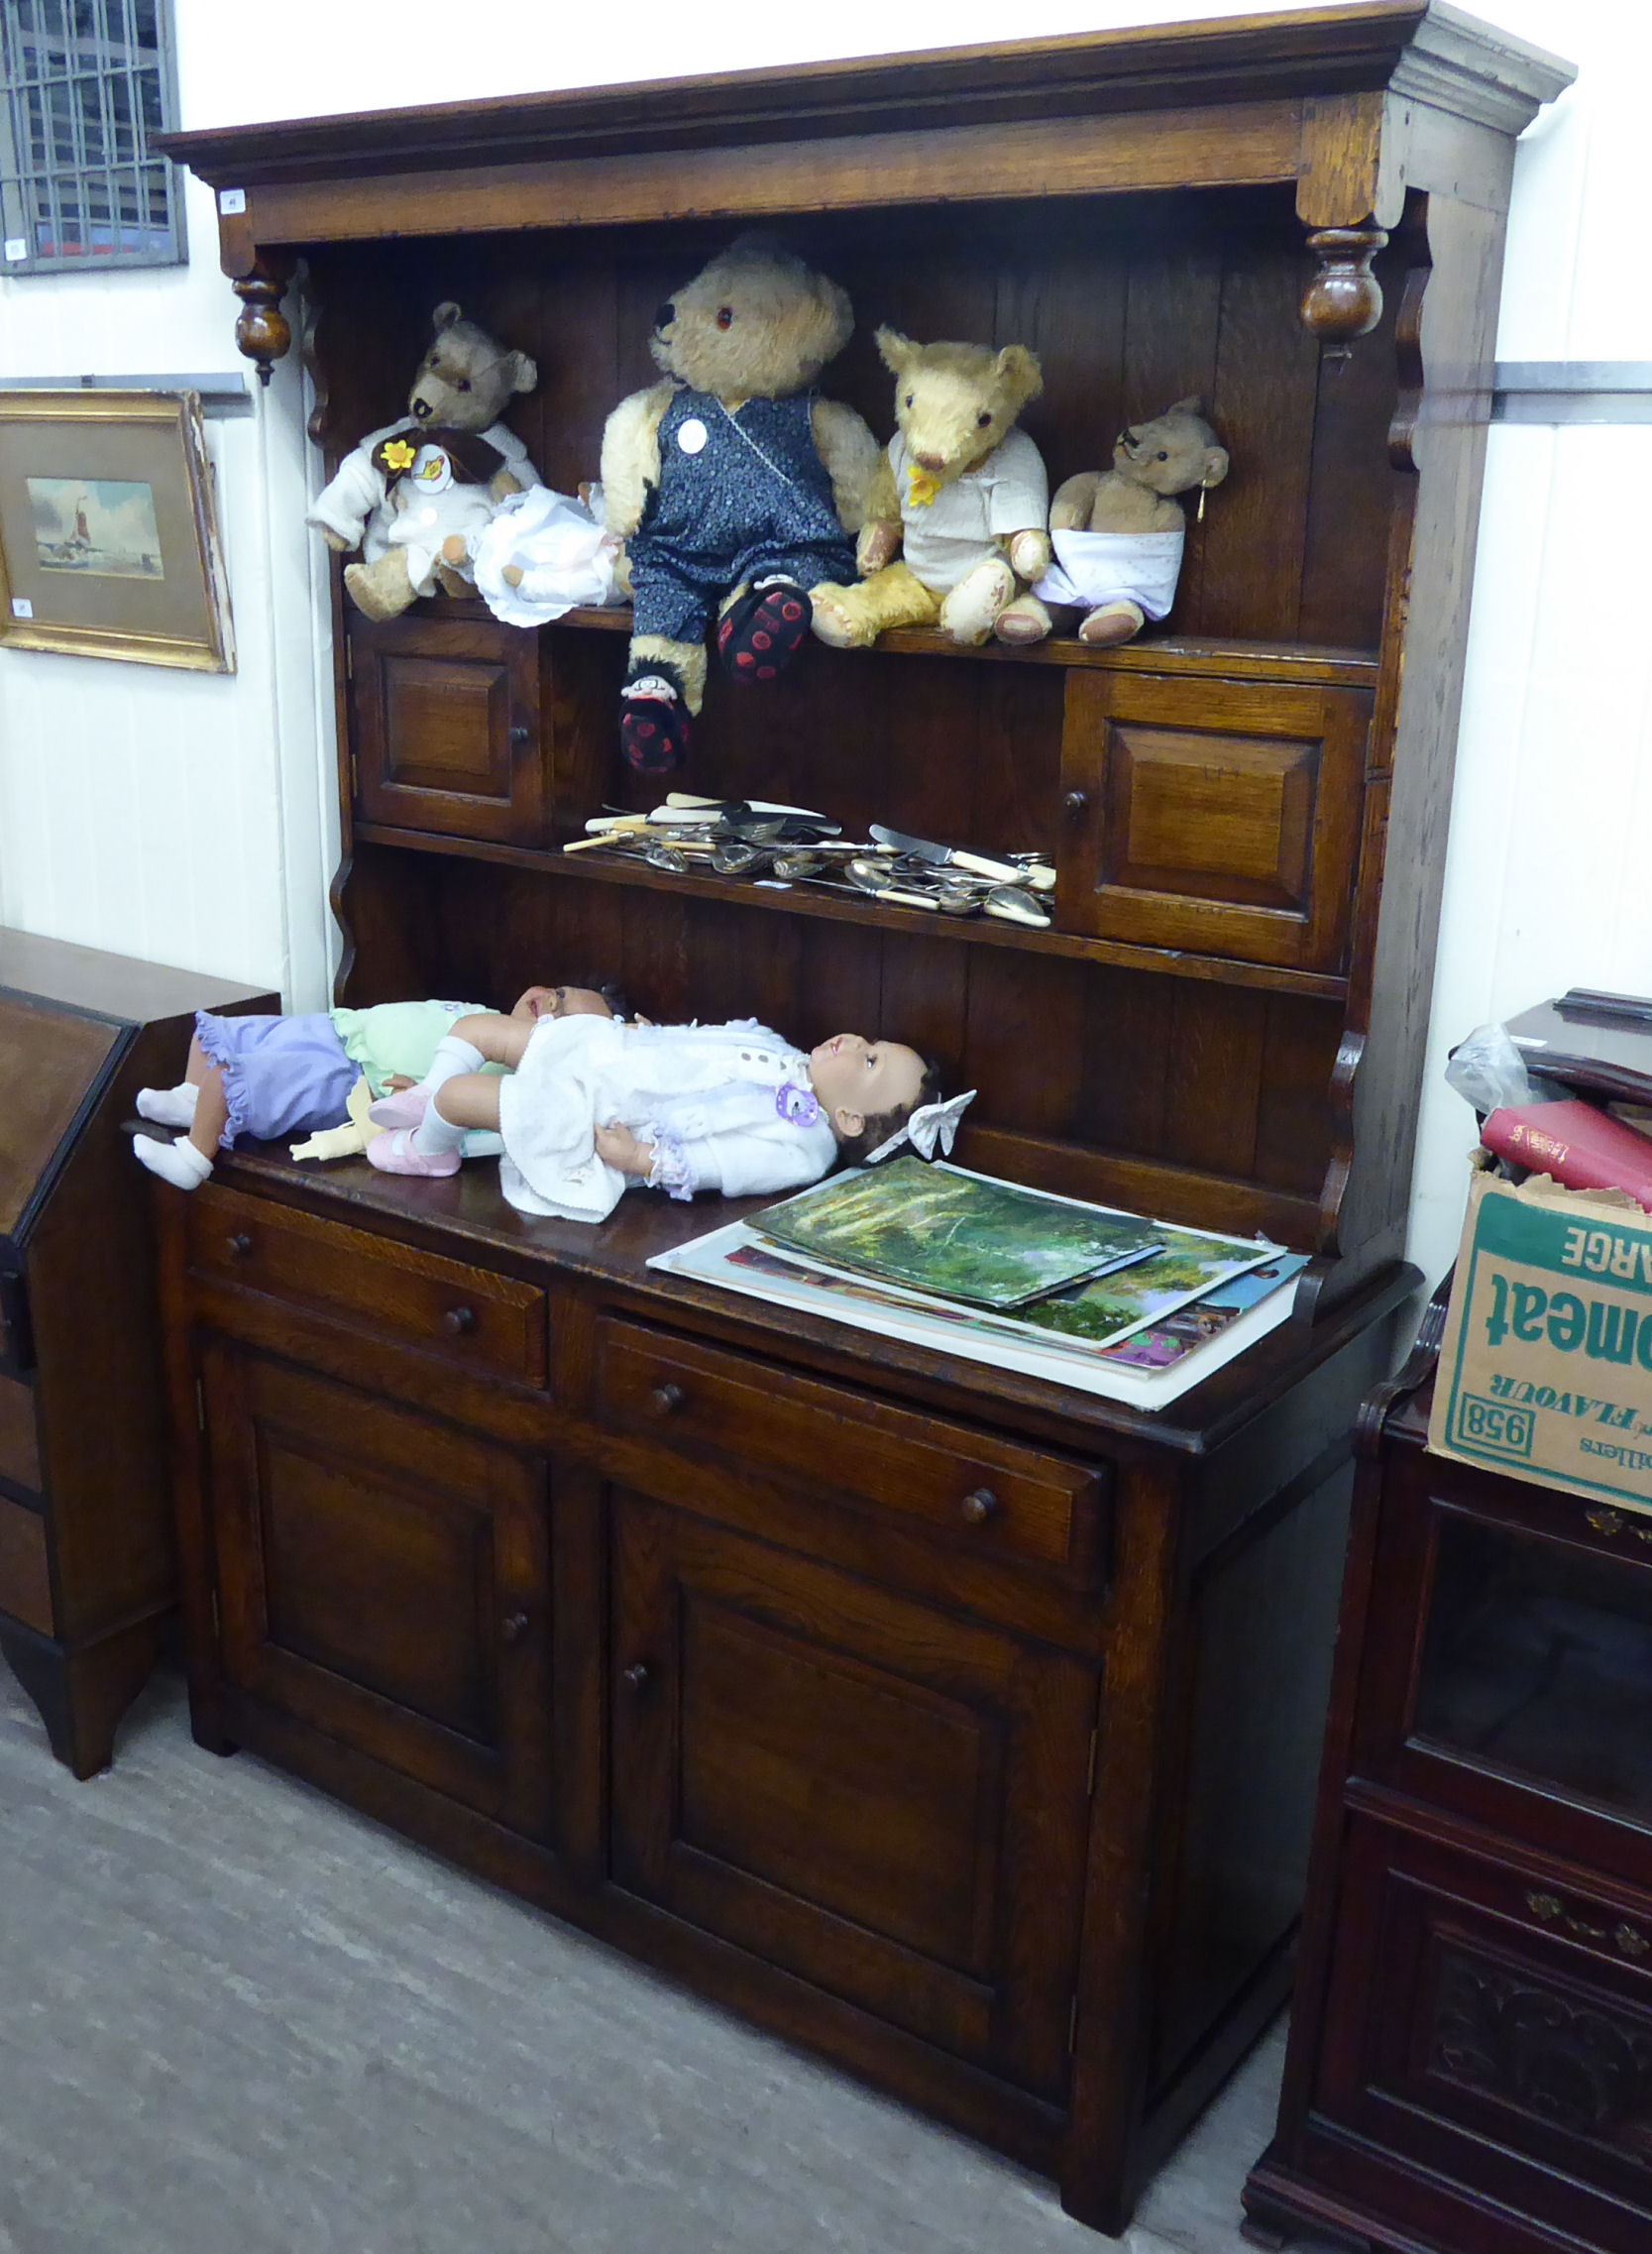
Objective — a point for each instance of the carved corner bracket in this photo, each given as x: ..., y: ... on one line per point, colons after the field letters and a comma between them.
x: 1344, y: 300
x: 263, y: 332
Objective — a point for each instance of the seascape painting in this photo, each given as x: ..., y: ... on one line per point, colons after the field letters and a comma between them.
x: 103, y: 527
x: 963, y: 1236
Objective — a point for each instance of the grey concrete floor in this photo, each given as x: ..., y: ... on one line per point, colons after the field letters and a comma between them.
x: 236, y: 2018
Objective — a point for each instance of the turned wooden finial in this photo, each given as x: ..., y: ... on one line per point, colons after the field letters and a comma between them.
x: 262, y: 329
x: 1344, y: 300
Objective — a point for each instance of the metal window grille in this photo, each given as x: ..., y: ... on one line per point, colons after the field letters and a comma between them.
x: 86, y: 83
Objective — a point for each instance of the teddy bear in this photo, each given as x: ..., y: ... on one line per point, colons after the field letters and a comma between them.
x: 734, y: 488
x: 411, y: 495
x: 1117, y: 533
x: 961, y: 494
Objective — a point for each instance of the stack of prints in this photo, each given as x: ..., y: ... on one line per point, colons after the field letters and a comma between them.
x: 1103, y: 1301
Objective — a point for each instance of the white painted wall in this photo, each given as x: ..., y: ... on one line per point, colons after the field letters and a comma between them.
x: 189, y: 818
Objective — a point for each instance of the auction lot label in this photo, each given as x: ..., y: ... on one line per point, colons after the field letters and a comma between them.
x: 1546, y: 1370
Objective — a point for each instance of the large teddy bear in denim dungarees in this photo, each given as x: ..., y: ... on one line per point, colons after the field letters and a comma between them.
x: 736, y: 490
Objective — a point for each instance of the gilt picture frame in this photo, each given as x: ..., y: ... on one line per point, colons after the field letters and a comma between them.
x: 109, y: 543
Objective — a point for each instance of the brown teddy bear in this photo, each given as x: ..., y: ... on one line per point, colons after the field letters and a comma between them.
x: 410, y: 495
x: 733, y: 487
x: 961, y: 492
x: 1117, y: 533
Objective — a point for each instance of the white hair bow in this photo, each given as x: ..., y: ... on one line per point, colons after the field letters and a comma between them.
x: 929, y: 1124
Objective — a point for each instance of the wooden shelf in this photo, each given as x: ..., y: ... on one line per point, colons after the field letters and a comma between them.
x: 1193, y: 655
x: 810, y: 900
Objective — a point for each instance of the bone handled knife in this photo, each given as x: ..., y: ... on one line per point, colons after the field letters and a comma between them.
x: 947, y: 856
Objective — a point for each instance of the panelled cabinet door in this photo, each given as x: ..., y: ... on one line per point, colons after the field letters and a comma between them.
x: 384, y: 1577
x: 889, y: 1803
x: 447, y: 721
x: 1215, y: 816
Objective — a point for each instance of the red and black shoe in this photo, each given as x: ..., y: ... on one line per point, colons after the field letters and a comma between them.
x: 654, y: 727
x: 763, y: 631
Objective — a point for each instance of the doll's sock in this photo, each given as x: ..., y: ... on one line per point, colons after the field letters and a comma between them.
x: 179, y: 1162
x: 169, y: 1107
x: 435, y: 1136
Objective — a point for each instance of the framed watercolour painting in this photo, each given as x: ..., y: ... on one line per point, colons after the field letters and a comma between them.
x: 108, y: 531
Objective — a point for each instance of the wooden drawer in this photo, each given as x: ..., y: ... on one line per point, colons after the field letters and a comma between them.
x: 1001, y: 1496
x: 20, y: 1455
x: 25, y: 1576
x: 487, y: 1325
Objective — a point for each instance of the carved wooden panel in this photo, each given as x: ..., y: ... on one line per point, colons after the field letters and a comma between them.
x: 1219, y: 817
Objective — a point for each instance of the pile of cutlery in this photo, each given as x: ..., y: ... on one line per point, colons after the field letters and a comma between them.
x: 779, y: 845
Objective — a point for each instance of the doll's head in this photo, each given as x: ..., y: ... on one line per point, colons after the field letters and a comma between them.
x: 467, y: 377
x: 754, y: 324
x: 868, y: 1089
x: 589, y: 997
x: 954, y: 402
x: 1172, y: 453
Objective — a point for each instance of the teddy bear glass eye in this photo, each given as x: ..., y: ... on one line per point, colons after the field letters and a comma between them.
x: 983, y: 420
x: 726, y: 317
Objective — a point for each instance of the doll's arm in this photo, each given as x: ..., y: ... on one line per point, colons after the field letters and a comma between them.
x: 631, y: 456
x: 850, y: 454
x: 880, y: 538
x: 1070, y: 512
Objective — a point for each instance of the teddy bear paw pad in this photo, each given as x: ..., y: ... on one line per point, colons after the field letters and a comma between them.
x: 654, y: 735
x: 763, y: 631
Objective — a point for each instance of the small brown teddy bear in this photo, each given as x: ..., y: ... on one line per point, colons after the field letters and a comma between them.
x: 411, y: 493
x: 733, y: 487
x: 962, y: 493
x: 1118, y: 532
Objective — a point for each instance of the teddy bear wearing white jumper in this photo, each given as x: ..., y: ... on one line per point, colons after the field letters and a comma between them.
x: 414, y: 494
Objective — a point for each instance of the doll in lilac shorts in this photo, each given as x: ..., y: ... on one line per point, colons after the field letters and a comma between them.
x: 264, y: 1079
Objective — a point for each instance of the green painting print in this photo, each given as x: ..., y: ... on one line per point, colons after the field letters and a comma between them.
x: 1184, y: 1267
x: 961, y: 1236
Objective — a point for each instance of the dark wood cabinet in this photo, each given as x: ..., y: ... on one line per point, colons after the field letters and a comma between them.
x: 1471, y: 2058
x: 960, y: 1725
x: 383, y: 1577
x: 888, y: 1801
x: 446, y: 728
x: 87, y: 1577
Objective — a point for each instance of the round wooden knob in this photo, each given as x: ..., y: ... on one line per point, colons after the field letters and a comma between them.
x: 979, y: 1505
x: 521, y: 734
x: 240, y: 1245
x: 1075, y: 801
x: 514, y: 1627
x: 638, y: 1674
x: 666, y: 1400
x: 459, y: 1321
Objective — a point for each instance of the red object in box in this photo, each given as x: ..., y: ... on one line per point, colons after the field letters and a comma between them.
x: 1578, y: 1145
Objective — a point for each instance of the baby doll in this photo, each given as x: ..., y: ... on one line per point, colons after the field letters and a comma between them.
x: 588, y: 1107
x: 269, y: 1077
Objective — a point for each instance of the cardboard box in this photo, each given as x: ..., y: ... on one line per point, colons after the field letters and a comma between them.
x: 1546, y: 1368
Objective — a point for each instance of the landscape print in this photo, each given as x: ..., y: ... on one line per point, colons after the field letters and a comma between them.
x: 1186, y: 1267
x: 963, y: 1236
x: 100, y: 525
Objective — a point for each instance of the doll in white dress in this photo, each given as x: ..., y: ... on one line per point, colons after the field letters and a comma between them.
x: 589, y: 1106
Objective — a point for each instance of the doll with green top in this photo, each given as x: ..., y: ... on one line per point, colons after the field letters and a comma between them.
x: 268, y: 1077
